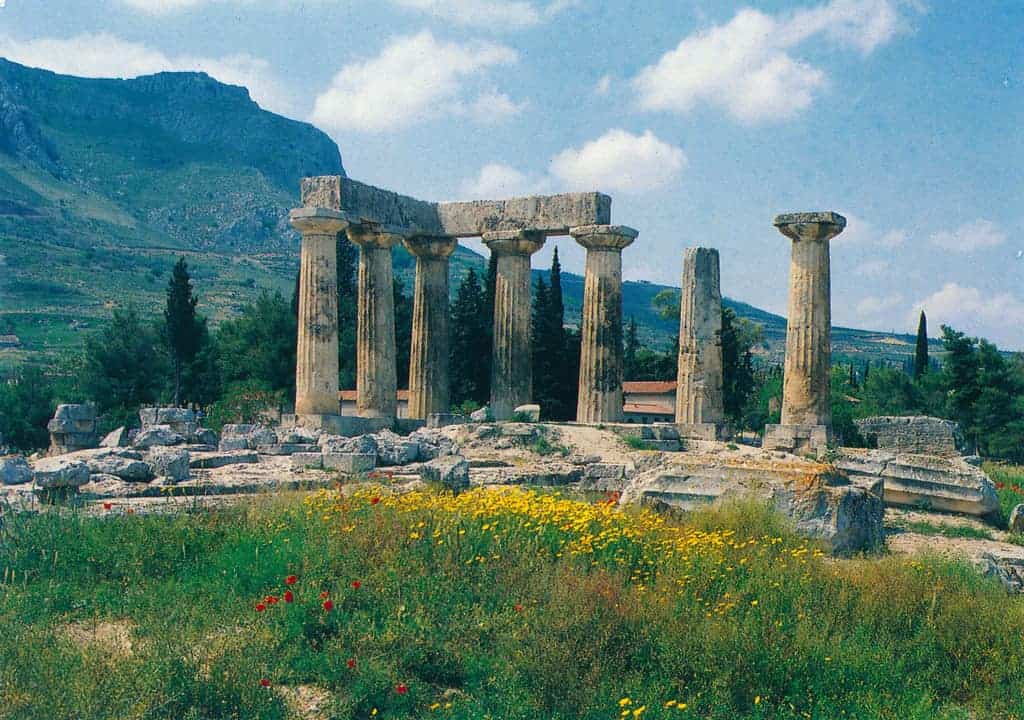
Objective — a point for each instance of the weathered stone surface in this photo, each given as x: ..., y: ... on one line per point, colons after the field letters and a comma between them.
x: 699, y: 397
x: 299, y: 436
x: 480, y: 415
x: 14, y: 470
x: 262, y: 436
x: 170, y: 463
x: 805, y: 395
x: 316, y: 367
x: 286, y: 448
x: 172, y: 415
x: 393, y: 449
x: 59, y: 472
x: 349, y: 463
x: 605, y: 471
x: 429, y: 390
x: 73, y: 427
x: 913, y: 434
x: 205, y: 436
x: 124, y: 468
x: 302, y: 461
x: 440, y: 420
x: 433, y: 444
x: 924, y: 481
x: 511, y: 363
x: 110, y: 486
x: 116, y: 438
x: 1007, y: 570
x: 233, y: 443
x: 796, y: 439
x: 527, y: 413
x: 451, y: 471
x: 220, y: 459
x: 1015, y: 524
x: 157, y: 435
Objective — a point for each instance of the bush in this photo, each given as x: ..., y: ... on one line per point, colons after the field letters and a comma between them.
x: 243, y: 402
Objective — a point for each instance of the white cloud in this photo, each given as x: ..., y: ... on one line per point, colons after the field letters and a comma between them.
x: 106, y: 55
x: 970, y: 237
x: 162, y: 7
x: 511, y: 14
x: 492, y: 107
x: 603, y: 85
x: 873, y: 268
x: 619, y: 161
x: 861, y: 234
x: 414, y: 78
x: 875, y: 307
x: 497, y: 180
x: 745, y: 66
x: 997, y: 317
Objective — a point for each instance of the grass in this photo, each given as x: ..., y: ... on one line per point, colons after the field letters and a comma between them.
x: 1009, y: 482
x: 923, y: 527
x: 507, y: 604
x: 634, y: 442
x: 542, y: 446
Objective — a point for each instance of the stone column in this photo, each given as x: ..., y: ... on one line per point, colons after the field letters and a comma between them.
x: 429, y: 390
x: 511, y: 364
x: 316, y: 366
x: 806, y: 409
x: 600, y: 382
x: 376, y: 372
x: 699, y: 405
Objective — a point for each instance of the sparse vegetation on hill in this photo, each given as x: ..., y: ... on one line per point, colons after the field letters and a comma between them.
x: 510, y: 604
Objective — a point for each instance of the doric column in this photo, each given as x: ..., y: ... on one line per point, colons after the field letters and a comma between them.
x: 429, y: 390
x: 316, y: 366
x: 805, y: 394
x: 600, y: 388
x: 376, y: 372
x: 699, y: 381
x: 511, y: 363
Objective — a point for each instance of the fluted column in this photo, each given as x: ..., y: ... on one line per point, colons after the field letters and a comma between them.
x: 511, y: 362
x: 429, y: 388
x: 600, y: 381
x: 376, y: 371
x: 806, y: 388
x: 699, y: 381
x: 316, y: 366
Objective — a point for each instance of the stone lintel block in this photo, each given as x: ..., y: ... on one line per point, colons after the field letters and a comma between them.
x: 796, y: 438
x: 704, y: 431
x: 810, y: 225
x: 376, y: 235
x: 604, y: 237
x: 362, y: 202
x: 514, y: 242
x: 318, y: 220
x: 431, y: 246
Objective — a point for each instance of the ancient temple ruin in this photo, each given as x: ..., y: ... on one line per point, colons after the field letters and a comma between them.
x: 376, y: 220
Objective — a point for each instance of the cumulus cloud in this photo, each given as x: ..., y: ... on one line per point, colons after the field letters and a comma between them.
x: 860, y: 233
x: 162, y: 7
x: 879, y: 307
x: 106, y: 55
x: 969, y: 237
x: 997, y: 317
x: 873, y: 268
x: 488, y: 14
x: 492, y: 107
x: 415, y: 78
x: 619, y: 161
x: 497, y: 180
x: 604, y: 84
x: 746, y: 68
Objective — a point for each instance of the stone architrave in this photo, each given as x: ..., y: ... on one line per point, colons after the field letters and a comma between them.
x: 600, y: 380
x: 806, y: 408
x: 512, y: 366
x: 376, y: 372
x: 429, y: 390
x: 316, y: 367
x: 700, y: 408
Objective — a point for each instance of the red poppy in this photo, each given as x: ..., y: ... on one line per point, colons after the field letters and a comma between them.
x: 107, y: 506
x: 401, y: 688
x: 517, y: 607
x: 130, y: 511
x: 356, y: 584
x: 260, y: 607
x: 264, y: 682
x: 288, y: 596
x: 1000, y: 486
x: 374, y: 500
x: 270, y: 600
x: 323, y: 595
x: 350, y: 663
x: 328, y: 605
x: 290, y: 580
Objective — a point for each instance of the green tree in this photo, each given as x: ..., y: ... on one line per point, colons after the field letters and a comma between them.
x: 631, y: 369
x: 889, y: 391
x: 921, y: 347
x: 739, y: 336
x: 470, y: 375
x: 182, y: 326
x: 26, y: 406
x: 544, y: 380
x: 125, y: 364
x: 403, y: 333
x: 960, y: 377
x: 348, y: 305
x: 259, y: 345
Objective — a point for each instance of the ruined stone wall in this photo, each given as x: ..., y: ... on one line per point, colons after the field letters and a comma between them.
x: 921, y: 435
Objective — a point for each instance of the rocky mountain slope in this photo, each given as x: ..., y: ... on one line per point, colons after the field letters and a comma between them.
x: 104, y: 183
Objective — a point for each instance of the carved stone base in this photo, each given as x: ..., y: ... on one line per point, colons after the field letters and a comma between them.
x: 345, y: 425
x: 797, y: 439
x: 703, y: 431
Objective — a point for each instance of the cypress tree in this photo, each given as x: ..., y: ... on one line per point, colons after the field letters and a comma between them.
x: 403, y: 333
x: 348, y: 259
x: 469, y: 379
x: 540, y: 347
x: 867, y: 369
x: 921, y: 350
x: 629, y: 361
x: 183, y: 328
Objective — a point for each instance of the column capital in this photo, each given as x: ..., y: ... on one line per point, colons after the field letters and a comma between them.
x: 318, y: 221
x: 374, y: 235
x: 603, y: 237
x: 514, y: 242
x: 431, y: 246
x: 810, y: 226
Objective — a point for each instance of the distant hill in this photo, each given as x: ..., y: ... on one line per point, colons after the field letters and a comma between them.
x: 104, y: 183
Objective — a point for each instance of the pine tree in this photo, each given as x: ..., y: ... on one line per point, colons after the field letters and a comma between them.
x: 853, y: 377
x: 183, y: 329
x: 921, y: 350
x: 867, y: 369
x: 540, y: 326
x: 348, y: 299
x: 565, y: 382
x: 629, y: 356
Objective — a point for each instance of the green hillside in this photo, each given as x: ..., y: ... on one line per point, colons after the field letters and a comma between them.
x: 105, y: 183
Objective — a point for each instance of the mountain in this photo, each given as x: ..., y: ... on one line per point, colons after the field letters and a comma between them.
x: 104, y: 183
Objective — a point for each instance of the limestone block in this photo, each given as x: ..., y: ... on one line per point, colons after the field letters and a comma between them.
x: 286, y: 448
x: 393, y: 449
x: 221, y: 459
x: 233, y: 443
x: 157, y: 435
x: 302, y: 461
x: 662, y: 445
x: 796, y: 439
x: 702, y: 431
x: 913, y: 434
x: 262, y: 436
x: 439, y: 420
x: 236, y: 431
x: 1016, y: 522
x: 168, y: 416
x: 527, y: 413
x: 451, y: 471
x: 124, y: 468
x: 349, y: 463
x: 170, y: 463
x: 204, y: 436
x: 14, y: 470
x: 480, y: 415
x: 433, y: 444
x: 300, y: 436
x: 58, y: 472
x: 605, y: 471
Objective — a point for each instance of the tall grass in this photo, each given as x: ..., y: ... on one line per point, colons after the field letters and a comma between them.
x: 493, y: 604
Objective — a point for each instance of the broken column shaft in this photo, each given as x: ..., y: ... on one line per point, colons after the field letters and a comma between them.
x: 429, y: 385
x: 699, y: 401
x: 600, y: 380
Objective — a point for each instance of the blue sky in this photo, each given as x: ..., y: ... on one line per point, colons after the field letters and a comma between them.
x: 702, y: 120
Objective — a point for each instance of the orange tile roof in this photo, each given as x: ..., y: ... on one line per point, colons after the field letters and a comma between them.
x: 649, y: 386
x: 350, y: 395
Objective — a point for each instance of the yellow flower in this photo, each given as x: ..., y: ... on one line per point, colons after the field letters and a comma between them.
x: 670, y: 703
x: 757, y: 700
x: 624, y: 702
x: 435, y: 706
x: 639, y: 711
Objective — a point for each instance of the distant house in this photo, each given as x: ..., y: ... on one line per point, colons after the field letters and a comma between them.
x: 647, y: 401
x: 9, y: 341
x: 348, y: 402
